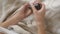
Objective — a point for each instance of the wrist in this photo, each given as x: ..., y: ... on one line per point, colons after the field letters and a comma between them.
x: 40, y: 22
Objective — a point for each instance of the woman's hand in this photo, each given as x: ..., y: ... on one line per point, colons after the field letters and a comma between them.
x: 39, y: 17
x: 21, y: 14
x: 24, y: 11
x: 39, y: 14
x: 1, y: 33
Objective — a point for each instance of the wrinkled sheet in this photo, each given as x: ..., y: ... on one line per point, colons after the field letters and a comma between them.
x: 8, y: 8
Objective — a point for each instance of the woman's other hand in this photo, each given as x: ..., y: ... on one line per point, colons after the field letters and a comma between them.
x: 39, y: 17
x: 24, y: 11
x: 39, y: 14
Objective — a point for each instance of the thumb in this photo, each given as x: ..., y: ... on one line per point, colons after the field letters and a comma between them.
x: 23, y: 7
x: 33, y: 8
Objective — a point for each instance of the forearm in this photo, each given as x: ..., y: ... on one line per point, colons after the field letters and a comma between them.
x: 13, y: 20
x: 1, y: 33
x: 41, y: 27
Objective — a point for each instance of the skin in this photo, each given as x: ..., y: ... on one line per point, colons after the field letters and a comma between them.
x: 1, y: 33
x: 23, y: 13
x: 39, y: 17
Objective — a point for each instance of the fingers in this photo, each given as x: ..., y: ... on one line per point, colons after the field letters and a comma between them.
x: 42, y: 8
x: 24, y: 7
x: 33, y: 8
x: 28, y: 12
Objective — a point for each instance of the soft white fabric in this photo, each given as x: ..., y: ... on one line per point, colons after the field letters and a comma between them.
x: 6, y: 31
x: 52, y: 15
x: 18, y: 29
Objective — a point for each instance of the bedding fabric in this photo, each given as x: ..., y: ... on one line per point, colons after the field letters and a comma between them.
x: 8, y: 8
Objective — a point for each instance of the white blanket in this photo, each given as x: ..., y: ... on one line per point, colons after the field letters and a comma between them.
x: 52, y: 15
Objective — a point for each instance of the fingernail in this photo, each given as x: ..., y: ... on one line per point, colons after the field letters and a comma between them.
x: 32, y: 1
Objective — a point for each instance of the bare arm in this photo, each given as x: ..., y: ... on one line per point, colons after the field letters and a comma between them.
x: 39, y: 17
x: 16, y: 18
x: 21, y: 14
x: 1, y: 33
x: 41, y: 27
